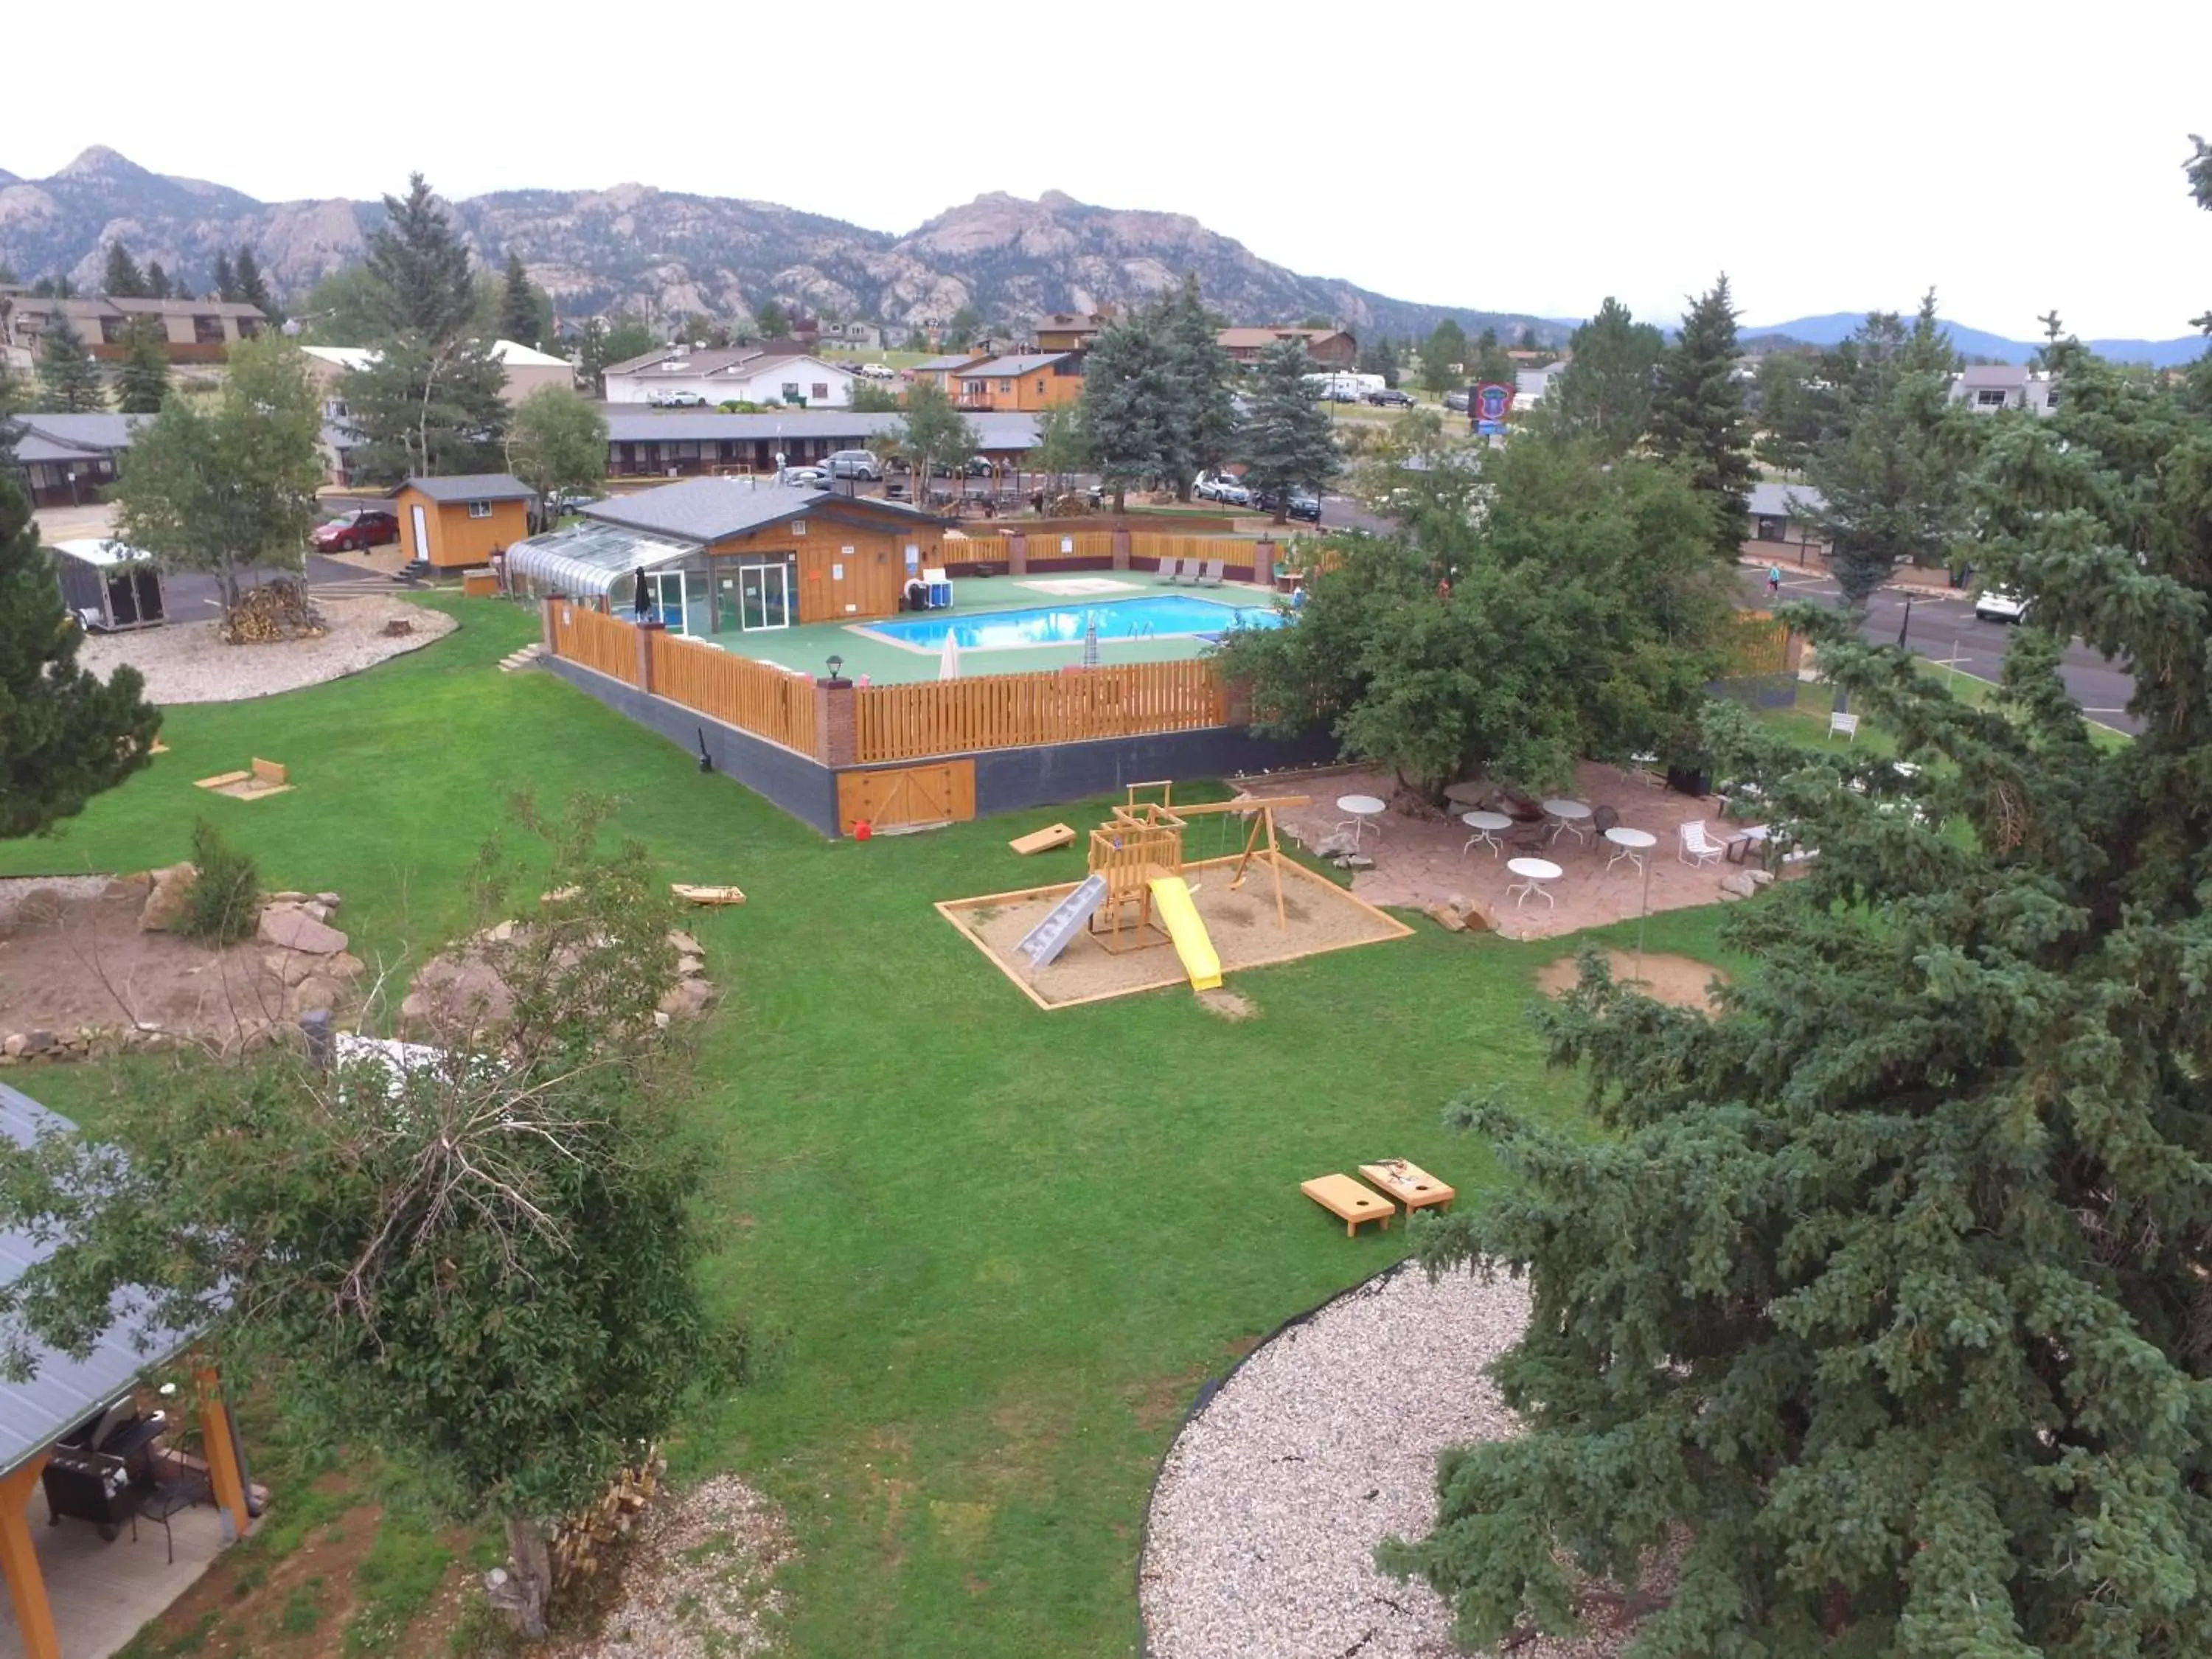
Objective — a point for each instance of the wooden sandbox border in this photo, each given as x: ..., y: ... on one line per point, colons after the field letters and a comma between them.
x: 949, y: 908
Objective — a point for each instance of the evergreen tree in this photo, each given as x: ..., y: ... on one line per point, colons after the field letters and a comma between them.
x: 226, y: 278
x: 1893, y: 476
x: 773, y: 321
x: 125, y: 280
x: 142, y: 380
x: 69, y: 380
x: 157, y: 281
x: 1602, y: 397
x: 519, y: 317
x: 1379, y: 356
x: 65, y: 735
x: 419, y: 269
x: 253, y: 289
x: 960, y: 334
x: 1490, y: 363
x: 1443, y: 358
x: 1698, y: 415
x: 1288, y: 441
x: 1202, y: 412
x: 1887, y: 1290
x: 1128, y: 390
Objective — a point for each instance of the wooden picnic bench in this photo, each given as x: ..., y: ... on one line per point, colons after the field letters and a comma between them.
x: 1350, y: 1202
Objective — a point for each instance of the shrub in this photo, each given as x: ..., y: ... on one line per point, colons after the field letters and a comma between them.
x: 225, y: 900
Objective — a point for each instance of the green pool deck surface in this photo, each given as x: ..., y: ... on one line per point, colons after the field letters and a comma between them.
x: 807, y: 648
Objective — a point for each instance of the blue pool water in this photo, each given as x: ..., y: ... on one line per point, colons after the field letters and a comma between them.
x: 1166, y: 615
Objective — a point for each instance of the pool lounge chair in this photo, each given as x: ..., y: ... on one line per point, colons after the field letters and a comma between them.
x: 1171, y: 570
x: 1209, y: 573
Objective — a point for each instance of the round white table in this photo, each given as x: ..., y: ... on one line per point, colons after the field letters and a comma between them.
x: 1361, y: 809
x: 1568, y: 815
x: 1534, y: 873
x: 1630, y: 844
x: 1488, y: 827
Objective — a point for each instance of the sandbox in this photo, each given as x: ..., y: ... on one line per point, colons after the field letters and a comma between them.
x: 1242, y: 924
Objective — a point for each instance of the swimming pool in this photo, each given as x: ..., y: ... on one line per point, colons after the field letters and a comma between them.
x: 1163, y: 615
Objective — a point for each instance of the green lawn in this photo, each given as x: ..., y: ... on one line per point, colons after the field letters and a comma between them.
x: 1006, y: 1245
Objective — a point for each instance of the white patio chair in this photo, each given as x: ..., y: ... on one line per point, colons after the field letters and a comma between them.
x: 1845, y: 725
x: 1696, y: 848
x: 1171, y: 570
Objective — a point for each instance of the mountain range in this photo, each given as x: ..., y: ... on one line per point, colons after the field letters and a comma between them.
x: 661, y: 254
x: 1837, y: 325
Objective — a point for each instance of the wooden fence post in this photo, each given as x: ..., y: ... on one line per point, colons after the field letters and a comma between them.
x: 836, y: 734
x: 1018, y: 554
x: 1120, y: 547
x: 646, y: 630
x: 545, y: 633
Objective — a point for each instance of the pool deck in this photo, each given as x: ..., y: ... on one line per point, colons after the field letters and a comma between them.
x: 808, y: 648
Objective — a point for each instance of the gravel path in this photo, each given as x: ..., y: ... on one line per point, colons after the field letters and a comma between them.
x: 1271, y: 1503
x: 185, y: 662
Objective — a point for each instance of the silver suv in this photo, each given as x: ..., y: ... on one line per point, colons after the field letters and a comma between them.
x: 854, y: 464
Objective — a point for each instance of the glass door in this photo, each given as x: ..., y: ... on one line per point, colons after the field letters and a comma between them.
x: 665, y: 589
x: 763, y: 596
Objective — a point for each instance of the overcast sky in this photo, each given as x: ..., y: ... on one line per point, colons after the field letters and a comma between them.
x: 1831, y: 157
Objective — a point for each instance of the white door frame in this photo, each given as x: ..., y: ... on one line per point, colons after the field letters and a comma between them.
x: 782, y: 574
x: 421, y: 531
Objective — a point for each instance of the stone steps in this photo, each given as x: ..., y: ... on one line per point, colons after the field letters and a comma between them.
x: 526, y: 658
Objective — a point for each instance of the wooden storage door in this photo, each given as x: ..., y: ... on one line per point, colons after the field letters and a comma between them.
x: 942, y: 792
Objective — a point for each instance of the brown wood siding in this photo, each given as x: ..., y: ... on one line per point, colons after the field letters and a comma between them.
x: 456, y: 539
x: 736, y: 691
x: 1011, y: 711
x: 847, y: 572
x: 939, y: 793
x: 605, y: 643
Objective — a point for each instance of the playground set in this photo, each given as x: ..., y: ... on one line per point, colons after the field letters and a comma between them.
x: 1139, y: 893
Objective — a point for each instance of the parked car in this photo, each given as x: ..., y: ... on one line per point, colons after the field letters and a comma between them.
x: 854, y: 464
x: 1999, y: 604
x: 677, y: 401
x: 1302, y: 504
x: 574, y: 501
x: 1456, y: 401
x: 1391, y: 397
x: 879, y: 371
x: 351, y: 532
x: 804, y: 476
x: 977, y: 467
x: 1220, y: 487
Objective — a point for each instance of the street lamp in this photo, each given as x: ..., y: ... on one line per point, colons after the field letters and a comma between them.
x: 836, y: 667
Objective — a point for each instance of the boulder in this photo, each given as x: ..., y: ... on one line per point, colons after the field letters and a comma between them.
x: 687, y: 999
x: 685, y: 944
x: 39, y: 1042
x: 319, y: 911
x: 1762, y: 877
x: 344, y: 965
x: 1448, y: 919
x: 1354, y: 861
x: 1333, y: 846
x: 164, y: 905
x: 16, y: 1045
x: 287, y: 896
x: 295, y: 930
x: 1740, y: 885
x: 316, y: 991
x: 290, y: 967
x: 328, y: 901
x: 689, y: 967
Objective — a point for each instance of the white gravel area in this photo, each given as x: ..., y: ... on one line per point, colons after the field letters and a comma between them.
x: 700, y: 1581
x: 185, y: 662
x: 1269, y: 1506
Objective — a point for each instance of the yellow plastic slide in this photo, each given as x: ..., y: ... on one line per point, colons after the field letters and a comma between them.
x: 1180, y: 917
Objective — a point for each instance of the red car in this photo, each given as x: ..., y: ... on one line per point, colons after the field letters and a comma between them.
x: 352, y: 531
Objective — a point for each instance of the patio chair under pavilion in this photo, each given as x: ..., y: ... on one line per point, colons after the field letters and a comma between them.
x: 74, y: 1435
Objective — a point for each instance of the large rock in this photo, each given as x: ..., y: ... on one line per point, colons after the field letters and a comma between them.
x: 165, y: 906
x: 295, y: 930
x: 316, y: 991
x: 687, y: 998
x: 1739, y: 885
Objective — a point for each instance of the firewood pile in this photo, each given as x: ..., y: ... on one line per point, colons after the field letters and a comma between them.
x: 583, y: 1543
x: 273, y: 612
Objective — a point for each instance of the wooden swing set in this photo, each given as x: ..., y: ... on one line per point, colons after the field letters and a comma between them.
x: 1143, y: 842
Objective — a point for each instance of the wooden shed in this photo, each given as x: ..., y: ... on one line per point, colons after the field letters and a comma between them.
x: 452, y: 524
x: 109, y: 586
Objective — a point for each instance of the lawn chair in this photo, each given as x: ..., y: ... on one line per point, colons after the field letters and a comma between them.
x: 1171, y: 570
x: 1696, y: 848
x: 1847, y: 725
x: 1210, y: 574
x: 1189, y: 577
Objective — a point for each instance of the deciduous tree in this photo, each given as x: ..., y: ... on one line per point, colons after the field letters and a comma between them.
x: 142, y: 381
x: 1063, y: 446
x: 69, y: 380
x: 65, y: 734
x: 227, y: 483
x: 1602, y: 397
x: 773, y: 321
x: 934, y: 436
x: 1287, y: 441
x: 1698, y: 415
x: 961, y: 332
x: 1443, y: 358
x: 558, y: 444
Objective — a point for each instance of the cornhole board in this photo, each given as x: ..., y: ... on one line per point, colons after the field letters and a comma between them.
x: 694, y: 895
x: 1044, y: 840
x: 1348, y: 1201
x: 265, y: 778
x: 1409, y: 1183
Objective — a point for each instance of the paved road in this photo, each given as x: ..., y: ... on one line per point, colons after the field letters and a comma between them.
x: 194, y: 597
x: 1945, y: 630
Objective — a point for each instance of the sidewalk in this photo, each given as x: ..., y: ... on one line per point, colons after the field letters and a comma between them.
x: 1920, y: 584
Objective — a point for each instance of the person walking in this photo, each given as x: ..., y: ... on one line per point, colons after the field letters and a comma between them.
x: 1774, y: 582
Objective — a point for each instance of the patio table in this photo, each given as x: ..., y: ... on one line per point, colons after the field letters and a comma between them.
x: 1361, y: 808
x: 1568, y: 816
x: 1534, y: 873
x: 1488, y: 827
x: 1630, y: 844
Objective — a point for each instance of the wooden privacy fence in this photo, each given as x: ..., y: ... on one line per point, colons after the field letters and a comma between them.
x: 1762, y: 645
x: 604, y: 643
x: 764, y: 701
x: 975, y: 549
x: 1082, y: 545
x: 1232, y: 550
x: 1014, y: 711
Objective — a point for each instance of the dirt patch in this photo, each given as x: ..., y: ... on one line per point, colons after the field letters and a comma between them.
x: 1682, y: 981
x: 236, y: 1610
x: 1225, y: 1004
x: 1241, y: 923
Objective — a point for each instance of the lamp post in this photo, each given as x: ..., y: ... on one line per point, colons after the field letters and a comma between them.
x: 1904, y: 626
x: 836, y: 667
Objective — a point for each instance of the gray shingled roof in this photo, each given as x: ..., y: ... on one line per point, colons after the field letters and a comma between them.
x: 1010, y: 368
x: 1784, y: 500
x: 84, y: 432
x: 64, y: 1392
x: 707, y: 509
x: 469, y: 487
x: 848, y: 427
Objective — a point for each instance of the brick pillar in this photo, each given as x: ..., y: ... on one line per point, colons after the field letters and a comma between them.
x: 835, y: 729
x: 1018, y: 554
x: 1120, y: 547
x: 1263, y: 562
x: 646, y: 630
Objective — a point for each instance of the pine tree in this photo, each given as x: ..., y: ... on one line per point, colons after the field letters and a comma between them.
x: 69, y: 380
x: 125, y: 280
x: 1288, y: 441
x: 1602, y: 397
x: 1887, y: 1291
x: 143, y: 380
x: 252, y: 289
x: 421, y: 268
x: 773, y: 321
x: 226, y: 279
x: 1698, y: 415
x: 157, y: 281
x: 1127, y: 392
x: 1201, y: 413
x: 65, y: 735
x: 1443, y: 357
x: 518, y: 315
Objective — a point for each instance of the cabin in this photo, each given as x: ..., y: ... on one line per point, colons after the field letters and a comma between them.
x: 1024, y: 384
x: 452, y: 524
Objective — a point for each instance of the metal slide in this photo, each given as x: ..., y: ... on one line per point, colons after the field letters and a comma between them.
x: 1045, y: 941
